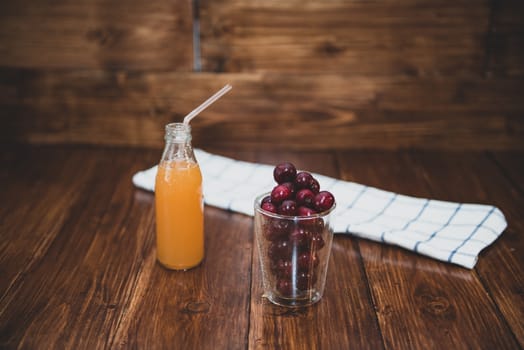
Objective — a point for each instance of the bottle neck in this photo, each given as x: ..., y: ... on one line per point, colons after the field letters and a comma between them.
x: 178, y: 132
x: 178, y: 143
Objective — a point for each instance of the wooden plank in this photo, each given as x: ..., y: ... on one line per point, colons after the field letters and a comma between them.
x: 39, y: 191
x: 505, y: 45
x: 447, y: 305
x: 501, y: 266
x: 205, y: 307
x: 312, y: 111
x: 98, y: 284
x: 512, y: 166
x: 101, y: 34
x: 67, y: 290
x: 345, y: 313
x: 95, y: 283
x: 412, y: 38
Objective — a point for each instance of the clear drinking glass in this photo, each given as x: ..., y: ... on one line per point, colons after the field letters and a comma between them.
x: 294, y: 254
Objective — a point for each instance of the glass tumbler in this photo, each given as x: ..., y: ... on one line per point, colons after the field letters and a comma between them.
x: 294, y: 254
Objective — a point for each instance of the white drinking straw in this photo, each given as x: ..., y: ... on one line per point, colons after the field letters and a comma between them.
x: 206, y: 104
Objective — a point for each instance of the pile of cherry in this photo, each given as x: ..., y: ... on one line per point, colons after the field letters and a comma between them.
x: 294, y: 240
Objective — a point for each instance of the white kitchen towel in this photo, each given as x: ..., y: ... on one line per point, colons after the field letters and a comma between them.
x: 447, y: 231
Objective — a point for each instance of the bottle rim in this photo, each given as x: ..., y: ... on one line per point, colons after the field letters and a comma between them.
x: 178, y: 132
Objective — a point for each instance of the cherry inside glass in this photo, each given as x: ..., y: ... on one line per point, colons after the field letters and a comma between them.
x: 294, y: 254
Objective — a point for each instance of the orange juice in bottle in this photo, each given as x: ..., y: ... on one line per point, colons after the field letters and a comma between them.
x: 179, y: 202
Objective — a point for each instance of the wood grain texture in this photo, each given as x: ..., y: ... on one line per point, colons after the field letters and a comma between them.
x: 72, y: 289
x: 512, y: 166
x: 78, y: 261
x: 115, y: 294
x: 29, y: 217
x: 101, y: 34
x: 325, y: 111
x: 493, y: 187
x: 505, y: 45
x: 427, y: 296
x: 203, y: 308
x: 413, y: 38
x: 331, y: 74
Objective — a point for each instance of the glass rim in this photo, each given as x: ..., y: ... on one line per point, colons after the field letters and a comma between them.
x: 177, y: 126
x: 177, y: 132
x: 258, y: 208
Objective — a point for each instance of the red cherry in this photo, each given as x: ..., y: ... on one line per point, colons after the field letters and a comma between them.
x: 269, y: 207
x: 288, y: 207
x: 303, y: 179
x: 314, y: 185
x: 281, y: 227
x: 307, y: 261
x: 308, y: 223
x: 305, y: 197
x: 317, y: 242
x: 291, y: 187
x: 284, y: 172
x: 319, y: 225
x: 279, y: 250
x: 306, y: 280
x: 276, y: 230
x: 266, y: 199
x: 305, y: 211
x: 299, y: 237
x: 279, y: 194
x: 284, y: 268
x: 285, y: 287
x: 324, y: 200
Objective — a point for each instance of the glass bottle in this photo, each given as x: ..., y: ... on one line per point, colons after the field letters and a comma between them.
x: 179, y: 202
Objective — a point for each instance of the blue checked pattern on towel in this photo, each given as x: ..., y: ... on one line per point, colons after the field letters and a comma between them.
x: 451, y: 232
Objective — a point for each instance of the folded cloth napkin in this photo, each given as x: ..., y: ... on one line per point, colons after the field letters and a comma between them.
x: 447, y: 231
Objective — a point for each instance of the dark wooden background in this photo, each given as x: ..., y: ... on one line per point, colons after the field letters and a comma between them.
x: 336, y: 74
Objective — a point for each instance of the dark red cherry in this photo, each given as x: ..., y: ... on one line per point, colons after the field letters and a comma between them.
x: 291, y: 187
x: 309, y: 223
x: 266, y: 199
x: 305, y: 197
x: 276, y: 229
x: 281, y: 227
x: 317, y: 242
x: 306, y: 280
x: 268, y: 206
x: 284, y: 172
x: 319, y: 225
x: 285, y: 287
x: 307, y: 261
x: 299, y: 237
x: 279, y: 250
x: 324, y: 200
x: 288, y: 207
x: 305, y: 211
x: 303, y: 179
x: 314, y: 185
x: 279, y: 194
x: 284, y: 268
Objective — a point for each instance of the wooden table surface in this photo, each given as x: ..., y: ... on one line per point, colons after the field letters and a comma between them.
x: 78, y: 269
